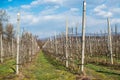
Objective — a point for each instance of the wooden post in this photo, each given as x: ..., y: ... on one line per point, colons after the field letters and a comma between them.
x: 63, y: 43
x: 116, y: 36
x: 90, y: 46
x: 77, y: 38
x: 110, y: 40
x: 12, y: 48
x: 33, y: 45
x: 1, y: 48
x: 50, y: 42
x: 83, y: 34
x: 56, y: 50
x: 17, y: 59
x: 66, y: 52
x: 70, y: 41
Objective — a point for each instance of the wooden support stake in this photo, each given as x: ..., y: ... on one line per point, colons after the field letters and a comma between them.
x: 1, y: 48
x: 66, y: 43
x: 110, y: 40
x: 83, y: 34
x: 18, y: 28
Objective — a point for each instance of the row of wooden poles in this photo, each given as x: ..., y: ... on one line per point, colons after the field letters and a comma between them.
x: 71, y: 49
x: 22, y: 49
x: 27, y: 47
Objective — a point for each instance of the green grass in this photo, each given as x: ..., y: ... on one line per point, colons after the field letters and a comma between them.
x: 46, y: 68
x: 43, y: 70
x: 6, y: 70
x: 103, y: 73
x: 40, y: 69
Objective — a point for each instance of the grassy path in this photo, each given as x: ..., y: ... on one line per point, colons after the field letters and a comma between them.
x: 43, y: 70
x: 102, y: 73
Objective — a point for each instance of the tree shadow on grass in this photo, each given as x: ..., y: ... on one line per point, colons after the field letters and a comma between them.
x: 9, y: 76
x: 109, y: 73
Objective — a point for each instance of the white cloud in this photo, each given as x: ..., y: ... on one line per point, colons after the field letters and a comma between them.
x: 49, y: 11
x: 116, y: 10
x: 104, y: 14
x: 95, y: 2
x: 102, y: 10
x: 65, y: 3
x: 26, y: 6
x: 74, y: 9
x: 49, y: 19
x: 29, y: 19
x: 115, y: 21
x: 39, y: 2
x: 92, y: 21
x: 54, y: 1
x: 52, y: 17
x: 100, y: 7
x: 36, y: 2
x: 32, y: 4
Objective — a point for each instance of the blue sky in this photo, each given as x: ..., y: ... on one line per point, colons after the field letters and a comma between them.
x: 45, y: 17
